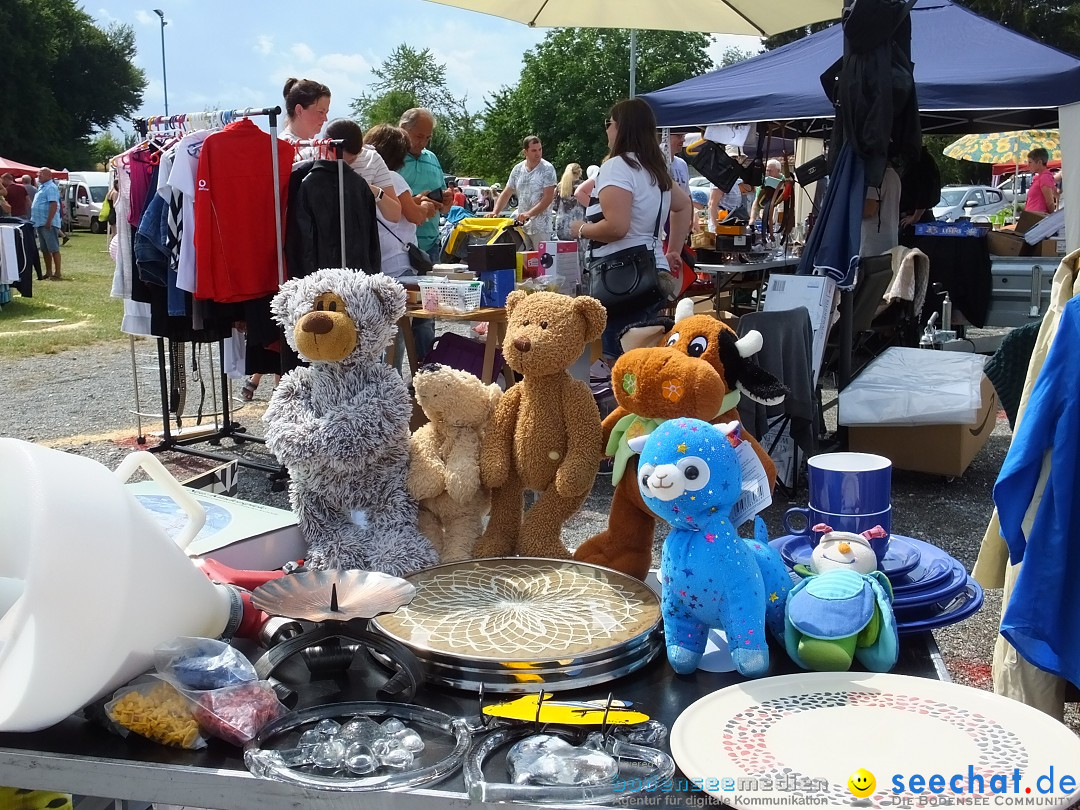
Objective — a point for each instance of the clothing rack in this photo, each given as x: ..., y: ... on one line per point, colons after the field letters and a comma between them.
x: 227, y: 427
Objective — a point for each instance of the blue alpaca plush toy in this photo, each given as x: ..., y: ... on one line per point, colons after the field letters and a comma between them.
x: 689, y: 475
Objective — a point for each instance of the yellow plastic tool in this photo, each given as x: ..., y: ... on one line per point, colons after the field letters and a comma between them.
x: 542, y: 709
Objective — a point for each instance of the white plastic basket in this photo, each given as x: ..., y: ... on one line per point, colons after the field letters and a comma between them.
x: 448, y: 295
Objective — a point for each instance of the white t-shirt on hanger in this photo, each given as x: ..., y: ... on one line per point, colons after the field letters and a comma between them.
x: 182, y: 178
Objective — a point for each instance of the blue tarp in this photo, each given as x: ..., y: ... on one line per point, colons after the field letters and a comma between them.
x: 971, y: 75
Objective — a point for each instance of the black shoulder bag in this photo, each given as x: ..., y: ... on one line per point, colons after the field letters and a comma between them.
x: 418, y: 260
x: 628, y: 279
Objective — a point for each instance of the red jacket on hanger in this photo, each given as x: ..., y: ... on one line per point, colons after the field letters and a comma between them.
x: 235, y: 241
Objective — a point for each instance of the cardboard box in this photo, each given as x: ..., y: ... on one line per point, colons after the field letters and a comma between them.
x: 1004, y: 243
x: 527, y: 264
x: 1027, y: 220
x: 817, y: 293
x: 935, y: 449
x: 1049, y: 248
x: 711, y: 306
x: 561, y: 259
x: 498, y: 284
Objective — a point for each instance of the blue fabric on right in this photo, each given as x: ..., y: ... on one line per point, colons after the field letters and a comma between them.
x: 1042, y: 620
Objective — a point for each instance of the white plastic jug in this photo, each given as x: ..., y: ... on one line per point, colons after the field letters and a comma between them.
x: 89, y: 582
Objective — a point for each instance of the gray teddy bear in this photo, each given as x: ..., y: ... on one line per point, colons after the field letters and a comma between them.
x: 341, y: 425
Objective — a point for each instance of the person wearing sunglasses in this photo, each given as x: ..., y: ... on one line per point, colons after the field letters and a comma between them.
x: 633, y: 197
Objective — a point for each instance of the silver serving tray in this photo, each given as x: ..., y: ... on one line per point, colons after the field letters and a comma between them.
x: 518, y: 624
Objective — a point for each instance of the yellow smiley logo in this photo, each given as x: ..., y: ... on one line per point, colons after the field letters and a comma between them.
x: 861, y: 783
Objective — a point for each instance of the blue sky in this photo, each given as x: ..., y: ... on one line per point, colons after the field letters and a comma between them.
x: 238, y: 53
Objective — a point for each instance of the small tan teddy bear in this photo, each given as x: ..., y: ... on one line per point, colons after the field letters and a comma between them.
x: 545, y: 434
x: 444, y: 473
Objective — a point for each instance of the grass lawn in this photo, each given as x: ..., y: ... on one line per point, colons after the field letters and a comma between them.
x: 64, y: 314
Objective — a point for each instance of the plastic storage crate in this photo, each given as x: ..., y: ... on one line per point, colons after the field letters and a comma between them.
x: 447, y: 295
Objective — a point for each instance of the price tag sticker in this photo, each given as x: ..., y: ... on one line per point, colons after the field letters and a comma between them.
x: 755, y: 485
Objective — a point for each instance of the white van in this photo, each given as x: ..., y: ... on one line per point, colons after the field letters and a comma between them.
x: 83, y: 197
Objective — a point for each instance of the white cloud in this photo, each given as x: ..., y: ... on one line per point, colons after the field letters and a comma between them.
x: 302, y: 53
x: 344, y: 63
x: 145, y: 17
x: 264, y: 44
x: 104, y: 17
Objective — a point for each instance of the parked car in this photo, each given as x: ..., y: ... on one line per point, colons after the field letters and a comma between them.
x: 967, y: 202
x: 474, y: 182
x: 1023, y: 183
x: 83, y: 196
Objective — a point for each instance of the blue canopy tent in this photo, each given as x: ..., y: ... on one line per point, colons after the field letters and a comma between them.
x: 971, y: 75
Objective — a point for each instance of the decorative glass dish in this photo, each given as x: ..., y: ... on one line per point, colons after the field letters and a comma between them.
x: 278, y: 751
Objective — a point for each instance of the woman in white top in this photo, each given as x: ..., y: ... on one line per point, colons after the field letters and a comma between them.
x: 633, y: 198
x: 307, y: 106
x: 367, y: 163
x: 392, y: 143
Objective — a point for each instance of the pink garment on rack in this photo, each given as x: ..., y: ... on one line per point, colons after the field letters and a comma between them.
x: 235, y: 244
x: 141, y: 166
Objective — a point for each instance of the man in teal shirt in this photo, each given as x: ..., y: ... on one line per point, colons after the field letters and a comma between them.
x: 424, y: 174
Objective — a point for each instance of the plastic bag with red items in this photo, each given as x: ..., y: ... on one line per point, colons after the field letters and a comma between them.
x: 236, y: 713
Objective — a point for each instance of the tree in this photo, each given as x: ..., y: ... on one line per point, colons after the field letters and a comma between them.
x: 1051, y: 22
x: 732, y: 56
x: 568, y: 82
x: 410, y: 78
x: 105, y: 145
x: 74, y: 78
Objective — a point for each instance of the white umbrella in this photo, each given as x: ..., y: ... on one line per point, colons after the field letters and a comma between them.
x: 749, y: 17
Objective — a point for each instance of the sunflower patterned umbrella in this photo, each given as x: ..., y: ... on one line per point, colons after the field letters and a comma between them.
x: 1004, y: 147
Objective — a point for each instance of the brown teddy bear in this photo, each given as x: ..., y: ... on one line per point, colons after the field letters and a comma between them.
x: 444, y: 473
x: 545, y: 435
x: 694, y: 367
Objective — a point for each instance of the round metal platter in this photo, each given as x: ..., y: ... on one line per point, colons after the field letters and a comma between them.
x: 517, y: 624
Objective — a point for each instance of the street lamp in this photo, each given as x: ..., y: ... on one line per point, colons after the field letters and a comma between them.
x: 164, y: 75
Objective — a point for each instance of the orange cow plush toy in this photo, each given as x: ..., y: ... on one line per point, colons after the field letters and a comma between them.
x: 698, y: 367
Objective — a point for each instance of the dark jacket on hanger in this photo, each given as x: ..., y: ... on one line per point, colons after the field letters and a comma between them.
x: 313, y: 230
x: 29, y: 259
x: 873, y: 86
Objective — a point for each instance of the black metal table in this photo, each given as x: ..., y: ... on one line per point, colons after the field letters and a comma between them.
x: 79, y: 757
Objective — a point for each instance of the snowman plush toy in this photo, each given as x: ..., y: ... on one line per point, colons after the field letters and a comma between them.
x: 842, y: 611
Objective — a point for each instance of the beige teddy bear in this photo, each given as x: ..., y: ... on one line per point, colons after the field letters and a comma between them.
x: 545, y: 434
x: 444, y: 473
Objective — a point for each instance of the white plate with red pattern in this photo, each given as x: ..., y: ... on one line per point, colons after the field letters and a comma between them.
x: 797, y: 740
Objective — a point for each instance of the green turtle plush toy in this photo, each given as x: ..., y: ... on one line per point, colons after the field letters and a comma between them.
x: 843, y: 610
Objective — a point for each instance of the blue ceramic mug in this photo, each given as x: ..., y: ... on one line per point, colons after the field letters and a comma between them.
x: 856, y: 524
x: 850, y: 483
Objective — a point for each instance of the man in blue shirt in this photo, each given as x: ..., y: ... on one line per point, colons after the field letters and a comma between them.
x: 424, y: 174
x: 45, y: 216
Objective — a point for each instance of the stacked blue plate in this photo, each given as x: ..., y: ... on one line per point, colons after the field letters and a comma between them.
x: 930, y: 588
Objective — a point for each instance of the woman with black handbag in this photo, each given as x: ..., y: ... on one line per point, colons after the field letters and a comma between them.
x: 634, y: 195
